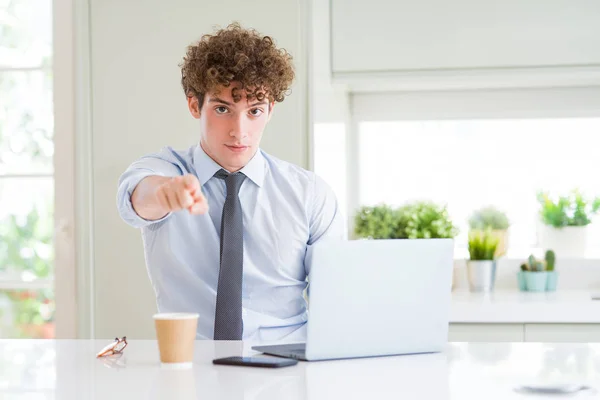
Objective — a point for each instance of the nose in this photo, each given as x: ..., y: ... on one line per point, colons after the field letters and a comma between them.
x: 239, y: 127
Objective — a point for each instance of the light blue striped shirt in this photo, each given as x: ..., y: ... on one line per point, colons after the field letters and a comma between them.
x: 286, y: 210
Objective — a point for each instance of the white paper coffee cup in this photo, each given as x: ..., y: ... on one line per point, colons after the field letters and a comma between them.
x: 176, y: 333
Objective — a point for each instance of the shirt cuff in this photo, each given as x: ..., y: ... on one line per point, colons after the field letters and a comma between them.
x: 125, y: 205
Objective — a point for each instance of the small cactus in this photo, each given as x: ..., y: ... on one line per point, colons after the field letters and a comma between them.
x: 524, y: 267
x: 534, y: 265
x: 550, y: 258
x: 540, y: 266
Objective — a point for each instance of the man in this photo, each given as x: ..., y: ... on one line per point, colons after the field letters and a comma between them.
x: 227, y: 228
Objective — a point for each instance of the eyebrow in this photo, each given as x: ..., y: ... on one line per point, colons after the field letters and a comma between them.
x: 259, y: 103
x: 218, y: 100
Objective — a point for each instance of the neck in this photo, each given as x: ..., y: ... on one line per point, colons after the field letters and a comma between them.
x: 231, y: 170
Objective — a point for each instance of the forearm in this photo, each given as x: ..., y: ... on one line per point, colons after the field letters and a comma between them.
x: 145, y: 200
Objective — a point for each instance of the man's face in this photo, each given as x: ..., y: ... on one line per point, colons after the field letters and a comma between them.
x: 230, y: 132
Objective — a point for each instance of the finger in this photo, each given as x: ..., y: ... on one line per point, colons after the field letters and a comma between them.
x: 198, y: 208
x: 162, y: 198
x: 198, y: 197
x: 191, y: 183
x: 200, y: 203
x: 184, y: 198
x: 172, y: 199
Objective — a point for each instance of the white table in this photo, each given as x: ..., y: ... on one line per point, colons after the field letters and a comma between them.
x: 68, y: 369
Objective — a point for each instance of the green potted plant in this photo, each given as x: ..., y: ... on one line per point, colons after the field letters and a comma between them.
x: 564, y: 222
x: 538, y: 275
x: 481, y: 266
x: 490, y: 217
x: 424, y: 220
x: 375, y: 222
x: 417, y: 220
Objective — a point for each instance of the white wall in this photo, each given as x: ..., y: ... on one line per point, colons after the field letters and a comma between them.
x: 329, y: 101
x: 464, y: 44
x: 465, y: 34
x: 138, y: 107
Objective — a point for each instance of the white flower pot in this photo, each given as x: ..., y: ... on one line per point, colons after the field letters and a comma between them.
x: 481, y: 275
x: 567, y: 242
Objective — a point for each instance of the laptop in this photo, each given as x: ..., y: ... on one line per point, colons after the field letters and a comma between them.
x: 370, y: 298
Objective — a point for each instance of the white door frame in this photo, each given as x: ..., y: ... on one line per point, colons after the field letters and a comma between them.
x: 73, y: 212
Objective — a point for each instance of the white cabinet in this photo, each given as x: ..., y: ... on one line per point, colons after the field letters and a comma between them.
x: 571, y: 333
x: 547, y: 333
x: 486, y: 333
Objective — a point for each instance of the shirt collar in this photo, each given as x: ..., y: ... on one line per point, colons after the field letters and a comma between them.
x: 206, y: 167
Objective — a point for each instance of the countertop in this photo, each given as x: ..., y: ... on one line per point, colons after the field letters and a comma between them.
x: 525, y: 307
x: 68, y: 369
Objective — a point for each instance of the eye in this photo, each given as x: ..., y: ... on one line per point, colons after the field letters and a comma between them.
x: 255, y: 112
x: 221, y: 110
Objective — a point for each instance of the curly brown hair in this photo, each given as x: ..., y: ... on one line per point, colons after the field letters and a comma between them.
x: 239, y: 55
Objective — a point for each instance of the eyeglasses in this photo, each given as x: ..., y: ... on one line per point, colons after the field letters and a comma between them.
x: 115, y: 347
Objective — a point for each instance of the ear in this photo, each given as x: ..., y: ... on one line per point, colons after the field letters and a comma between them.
x: 271, y: 107
x: 194, y: 106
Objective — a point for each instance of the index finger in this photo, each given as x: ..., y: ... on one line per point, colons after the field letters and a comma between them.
x: 198, y: 196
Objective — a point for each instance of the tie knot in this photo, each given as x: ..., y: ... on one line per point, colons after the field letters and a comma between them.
x: 233, y: 181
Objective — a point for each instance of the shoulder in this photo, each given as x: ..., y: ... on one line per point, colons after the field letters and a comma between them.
x: 182, y: 159
x: 278, y: 167
x: 295, y: 175
x: 170, y: 154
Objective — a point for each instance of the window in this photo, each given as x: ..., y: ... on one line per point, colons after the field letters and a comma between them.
x: 26, y: 169
x: 470, y: 163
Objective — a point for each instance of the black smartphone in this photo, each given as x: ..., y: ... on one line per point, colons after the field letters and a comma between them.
x: 264, y: 362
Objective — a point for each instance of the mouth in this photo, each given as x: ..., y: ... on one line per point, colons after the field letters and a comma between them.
x: 237, y: 149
